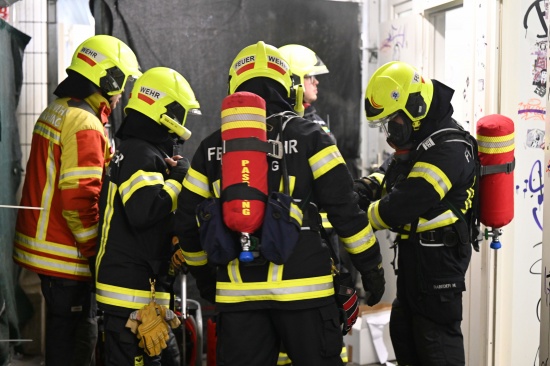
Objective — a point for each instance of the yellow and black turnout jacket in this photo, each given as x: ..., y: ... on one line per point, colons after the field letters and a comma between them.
x: 317, y: 175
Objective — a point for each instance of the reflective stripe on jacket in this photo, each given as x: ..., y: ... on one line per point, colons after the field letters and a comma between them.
x: 64, y: 174
x: 318, y: 175
x: 445, y: 171
x: 136, y: 216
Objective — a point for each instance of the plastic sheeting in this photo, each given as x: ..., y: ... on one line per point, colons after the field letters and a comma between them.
x: 200, y: 38
x: 6, y: 3
x: 13, y: 43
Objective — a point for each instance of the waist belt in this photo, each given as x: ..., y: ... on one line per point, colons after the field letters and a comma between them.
x: 444, y: 236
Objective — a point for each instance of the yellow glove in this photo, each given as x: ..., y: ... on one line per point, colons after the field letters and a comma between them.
x: 153, y: 330
x: 178, y: 260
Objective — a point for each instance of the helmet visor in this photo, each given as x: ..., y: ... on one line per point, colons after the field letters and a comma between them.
x: 382, y: 122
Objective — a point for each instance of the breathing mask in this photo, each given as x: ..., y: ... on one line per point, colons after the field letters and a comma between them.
x: 398, y: 129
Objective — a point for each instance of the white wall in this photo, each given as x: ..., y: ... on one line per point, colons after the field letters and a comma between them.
x: 518, y: 267
x: 493, y: 72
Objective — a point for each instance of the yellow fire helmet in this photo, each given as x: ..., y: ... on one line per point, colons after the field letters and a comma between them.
x: 303, y: 61
x: 397, y: 86
x: 264, y: 60
x: 166, y: 97
x: 107, y: 62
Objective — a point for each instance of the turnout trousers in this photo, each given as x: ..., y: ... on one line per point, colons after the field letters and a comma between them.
x: 121, y: 346
x: 71, y: 324
x: 418, y: 341
x: 253, y: 338
x: 426, y: 315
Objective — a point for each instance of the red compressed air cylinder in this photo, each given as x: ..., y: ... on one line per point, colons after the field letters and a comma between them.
x: 495, y: 136
x: 244, y: 117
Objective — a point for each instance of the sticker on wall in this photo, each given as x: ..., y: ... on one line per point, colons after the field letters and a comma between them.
x: 535, y: 138
x: 539, y: 68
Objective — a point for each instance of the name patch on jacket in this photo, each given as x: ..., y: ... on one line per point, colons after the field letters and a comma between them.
x: 215, y: 152
x: 53, y: 114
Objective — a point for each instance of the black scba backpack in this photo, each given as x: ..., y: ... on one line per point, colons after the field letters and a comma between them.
x: 278, y: 234
x: 471, y: 218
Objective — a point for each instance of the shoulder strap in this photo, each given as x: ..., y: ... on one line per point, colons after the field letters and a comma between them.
x: 445, y: 135
x: 279, y: 128
x: 325, y: 236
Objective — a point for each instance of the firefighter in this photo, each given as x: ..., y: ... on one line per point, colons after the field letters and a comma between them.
x: 305, y: 66
x: 423, y: 195
x: 69, y: 152
x: 137, y: 202
x: 261, y: 304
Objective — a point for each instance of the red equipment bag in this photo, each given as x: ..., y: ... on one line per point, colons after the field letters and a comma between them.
x: 495, y: 136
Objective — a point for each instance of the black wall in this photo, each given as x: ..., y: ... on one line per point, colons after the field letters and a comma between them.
x: 200, y: 38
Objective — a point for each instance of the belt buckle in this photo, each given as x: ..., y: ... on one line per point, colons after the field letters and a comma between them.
x: 428, y: 236
x: 277, y: 149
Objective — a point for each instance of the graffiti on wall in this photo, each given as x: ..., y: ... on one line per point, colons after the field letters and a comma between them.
x: 533, y: 109
x: 394, y: 41
x: 533, y: 190
x: 532, y: 112
x: 536, y: 10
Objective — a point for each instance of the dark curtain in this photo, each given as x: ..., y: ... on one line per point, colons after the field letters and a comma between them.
x: 200, y: 38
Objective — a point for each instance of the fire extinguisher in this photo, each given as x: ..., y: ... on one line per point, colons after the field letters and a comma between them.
x: 244, y: 166
x: 495, y: 137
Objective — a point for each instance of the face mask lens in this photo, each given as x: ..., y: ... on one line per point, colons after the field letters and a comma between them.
x: 382, y: 122
x: 384, y: 127
x: 398, y: 131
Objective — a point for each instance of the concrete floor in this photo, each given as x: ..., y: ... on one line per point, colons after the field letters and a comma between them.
x: 20, y: 360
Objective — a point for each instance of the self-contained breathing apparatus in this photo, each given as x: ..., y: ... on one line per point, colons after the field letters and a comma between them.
x: 492, y: 203
x: 267, y: 226
x: 493, y: 153
x: 245, y: 222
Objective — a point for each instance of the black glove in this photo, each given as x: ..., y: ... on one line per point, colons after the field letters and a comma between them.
x: 179, y: 171
x: 347, y: 300
x: 374, y: 285
x: 366, y: 192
